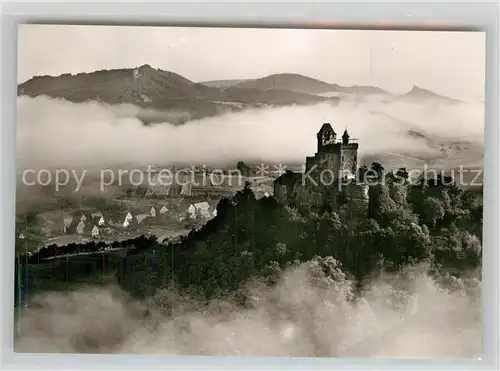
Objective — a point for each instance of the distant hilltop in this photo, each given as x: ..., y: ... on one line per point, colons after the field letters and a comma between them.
x: 418, y: 93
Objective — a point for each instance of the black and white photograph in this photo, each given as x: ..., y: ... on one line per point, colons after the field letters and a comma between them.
x: 223, y: 191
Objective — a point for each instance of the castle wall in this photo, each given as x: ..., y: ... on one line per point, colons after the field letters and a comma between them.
x: 310, y: 162
x: 357, y: 200
x: 356, y: 191
x: 349, y: 159
x: 326, y: 158
x: 308, y: 196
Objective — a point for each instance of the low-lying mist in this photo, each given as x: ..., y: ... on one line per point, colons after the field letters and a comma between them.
x: 306, y: 314
x: 58, y: 133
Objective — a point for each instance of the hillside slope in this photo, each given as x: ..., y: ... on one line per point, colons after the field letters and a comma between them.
x: 222, y: 83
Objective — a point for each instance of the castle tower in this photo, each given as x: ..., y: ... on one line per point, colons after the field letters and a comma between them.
x: 326, y: 135
x: 349, y: 156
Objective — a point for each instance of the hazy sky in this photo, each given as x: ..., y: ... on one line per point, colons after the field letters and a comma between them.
x: 448, y: 63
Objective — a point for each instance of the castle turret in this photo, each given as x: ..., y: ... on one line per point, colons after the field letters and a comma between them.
x: 345, y: 137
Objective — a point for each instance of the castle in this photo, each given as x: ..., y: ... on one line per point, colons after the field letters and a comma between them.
x: 329, y: 177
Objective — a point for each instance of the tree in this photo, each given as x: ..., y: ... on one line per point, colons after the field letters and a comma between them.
x: 379, y: 170
x: 434, y: 211
x: 380, y: 202
x: 467, y: 200
x: 398, y: 193
x: 416, y: 195
x: 361, y: 173
x: 402, y: 175
x: 272, y: 272
x: 243, y: 168
x: 31, y: 218
x: 457, y: 248
x: 327, y: 273
x: 328, y: 238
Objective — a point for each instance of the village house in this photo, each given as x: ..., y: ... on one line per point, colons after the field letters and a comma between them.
x: 202, y: 209
x: 141, y: 217
x: 152, y: 212
x: 67, y: 221
x: 80, y: 228
x: 95, y: 232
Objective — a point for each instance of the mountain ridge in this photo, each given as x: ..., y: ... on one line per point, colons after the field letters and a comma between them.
x: 167, y: 96
x: 152, y: 88
x: 276, y: 82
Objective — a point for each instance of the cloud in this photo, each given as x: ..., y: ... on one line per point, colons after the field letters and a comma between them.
x: 57, y: 133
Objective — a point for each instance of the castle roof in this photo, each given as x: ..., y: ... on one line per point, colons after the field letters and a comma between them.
x: 345, y: 135
x: 326, y: 127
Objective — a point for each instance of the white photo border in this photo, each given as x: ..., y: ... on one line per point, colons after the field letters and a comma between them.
x: 452, y: 15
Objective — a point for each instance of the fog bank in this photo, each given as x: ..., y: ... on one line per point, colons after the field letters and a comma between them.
x: 57, y: 133
x: 306, y: 314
